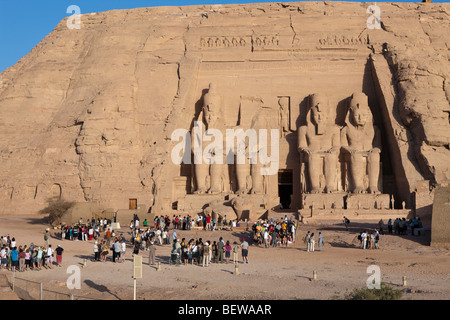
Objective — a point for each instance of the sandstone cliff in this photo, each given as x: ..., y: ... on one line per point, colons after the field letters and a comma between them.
x: 88, y: 113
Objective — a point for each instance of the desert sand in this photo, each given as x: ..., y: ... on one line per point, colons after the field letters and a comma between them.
x: 272, y: 273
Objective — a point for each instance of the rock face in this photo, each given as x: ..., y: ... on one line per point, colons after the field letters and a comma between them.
x: 246, y: 209
x: 440, y: 235
x: 88, y: 114
x: 421, y: 71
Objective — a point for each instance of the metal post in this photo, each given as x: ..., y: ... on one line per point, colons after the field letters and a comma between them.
x: 236, y: 269
x: 13, y: 278
x: 40, y: 291
x: 137, y: 272
x: 159, y: 266
x: 71, y: 297
x: 404, y: 281
x: 134, y: 288
x: 314, y: 275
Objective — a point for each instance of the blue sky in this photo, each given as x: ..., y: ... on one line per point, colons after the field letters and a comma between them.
x: 24, y: 23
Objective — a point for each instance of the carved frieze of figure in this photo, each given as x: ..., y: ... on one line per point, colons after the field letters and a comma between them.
x: 283, y: 116
x: 319, y: 144
x: 360, y: 139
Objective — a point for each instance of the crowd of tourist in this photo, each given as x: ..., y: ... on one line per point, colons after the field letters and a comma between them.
x: 163, y: 231
x: 266, y: 233
x: 274, y: 233
x: 22, y: 258
x: 369, y: 240
x: 197, y: 251
x: 84, y: 231
x: 26, y: 258
x: 401, y: 226
x: 118, y: 249
x: 178, y: 222
x: 269, y: 232
x: 192, y: 251
x: 310, y: 241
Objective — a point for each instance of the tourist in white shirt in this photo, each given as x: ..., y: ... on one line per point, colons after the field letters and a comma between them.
x: 364, y: 239
x: 3, y: 259
x: 293, y: 229
x: 158, y: 236
x: 266, y: 239
x: 49, y: 256
x: 164, y: 237
x: 124, y: 248
x: 312, y: 242
x: 174, y: 236
x: 195, y: 253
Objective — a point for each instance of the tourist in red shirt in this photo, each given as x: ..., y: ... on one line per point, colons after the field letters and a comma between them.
x: 208, y: 222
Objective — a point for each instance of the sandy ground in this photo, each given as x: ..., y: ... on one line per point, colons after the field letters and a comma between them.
x: 272, y: 274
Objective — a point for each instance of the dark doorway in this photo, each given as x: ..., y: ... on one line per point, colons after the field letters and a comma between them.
x: 285, y: 188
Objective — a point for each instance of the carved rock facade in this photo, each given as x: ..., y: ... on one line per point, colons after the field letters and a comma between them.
x: 88, y: 114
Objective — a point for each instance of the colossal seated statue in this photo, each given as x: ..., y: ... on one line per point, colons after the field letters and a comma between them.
x: 319, y: 144
x: 361, y: 142
x: 210, y: 118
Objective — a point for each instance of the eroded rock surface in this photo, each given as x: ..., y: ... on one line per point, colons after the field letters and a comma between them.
x: 88, y: 114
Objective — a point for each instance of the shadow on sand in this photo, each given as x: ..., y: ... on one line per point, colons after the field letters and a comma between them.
x: 38, y: 220
x: 100, y: 288
x: 356, y: 228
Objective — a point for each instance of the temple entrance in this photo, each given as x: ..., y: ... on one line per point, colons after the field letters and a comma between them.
x: 285, y: 188
x: 132, y: 204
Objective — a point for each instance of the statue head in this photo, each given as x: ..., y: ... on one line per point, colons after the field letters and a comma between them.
x: 320, y: 112
x: 360, y: 112
x: 211, y: 107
